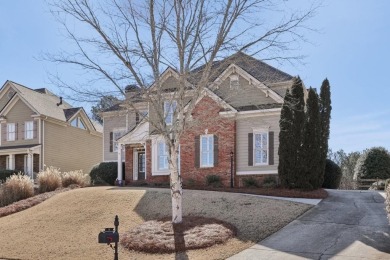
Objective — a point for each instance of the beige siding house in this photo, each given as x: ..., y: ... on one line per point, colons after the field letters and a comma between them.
x: 39, y: 129
x: 235, y: 125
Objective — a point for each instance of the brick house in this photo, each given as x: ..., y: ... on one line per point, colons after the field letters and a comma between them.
x: 38, y: 128
x: 237, y: 119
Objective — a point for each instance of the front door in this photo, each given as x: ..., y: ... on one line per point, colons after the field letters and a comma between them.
x: 141, y: 165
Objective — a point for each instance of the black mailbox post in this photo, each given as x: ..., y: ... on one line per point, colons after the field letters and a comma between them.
x: 109, y: 235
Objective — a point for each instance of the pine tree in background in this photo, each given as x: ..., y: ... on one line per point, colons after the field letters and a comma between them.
x: 311, y: 152
x: 286, y: 150
x: 325, y: 111
x: 296, y: 137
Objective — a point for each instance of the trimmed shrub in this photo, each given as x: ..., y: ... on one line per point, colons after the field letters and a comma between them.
x: 332, y: 176
x: 104, y: 173
x: 4, y: 174
x: 17, y: 187
x: 250, y: 182
x: 75, y: 177
x: 213, y: 180
x: 49, y: 179
x: 270, y: 182
x: 373, y: 163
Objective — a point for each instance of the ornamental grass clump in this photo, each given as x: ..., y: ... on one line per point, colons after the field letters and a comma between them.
x: 17, y: 187
x: 49, y: 179
x: 75, y: 177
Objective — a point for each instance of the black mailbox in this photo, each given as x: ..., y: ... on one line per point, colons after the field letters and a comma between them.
x: 108, y: 236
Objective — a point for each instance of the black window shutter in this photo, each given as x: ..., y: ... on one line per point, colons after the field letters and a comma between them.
x: 197, y: 151
x: 23, y: 130
x: 250, y: 149
x: 111, y: 142
x: 215, y: 150
x: 35, y: 129
x: 4, y: 131
x: 271, y: 148
x: 16, y: 131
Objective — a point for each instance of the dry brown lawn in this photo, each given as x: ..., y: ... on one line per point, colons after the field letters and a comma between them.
x: 66, y: 226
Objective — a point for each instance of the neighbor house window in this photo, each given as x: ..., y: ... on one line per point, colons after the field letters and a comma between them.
x: 116, y: 135
x: 11, y: 132
x: 77, y: 122
x: 162, y: 156
x: 169, y: 109
x: 29, y: 130
x: 234, y: 81
x: 260, y: 148
x: 206, y: 150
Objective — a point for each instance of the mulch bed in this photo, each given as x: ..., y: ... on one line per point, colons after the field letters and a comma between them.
x: 30, y: 202
x: 161, y: 236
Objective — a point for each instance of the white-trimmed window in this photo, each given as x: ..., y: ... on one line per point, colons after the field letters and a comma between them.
x: 116, y: 134
x: 77, y: 122
x: 260, y: 148
x: 162, y: 156
x: 234, y: 81
x: 169, y: 109
x: 11, y: 132
x: 29, y: 130
x: 206, y: 150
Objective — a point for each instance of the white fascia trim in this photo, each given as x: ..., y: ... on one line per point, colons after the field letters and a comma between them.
x: 264, y: 112
x: 256, y: 172
x: 165, y: 75
x: 5, y: 88
x: 253, y: 81
x: 13, y: 101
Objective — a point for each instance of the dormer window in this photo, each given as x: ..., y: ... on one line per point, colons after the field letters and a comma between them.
x: 78, y: 122
x: 234, y: 81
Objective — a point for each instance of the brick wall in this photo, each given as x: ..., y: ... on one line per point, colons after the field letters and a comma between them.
x: 128, y: 164
x: 19, y: 162
x: 3, y: 163
x: 206, y: 119
x: 36, y: 163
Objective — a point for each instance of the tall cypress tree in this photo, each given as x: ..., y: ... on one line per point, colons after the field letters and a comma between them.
x: 286, y: 150
x: 298, y: 112
x: 290, y: 136
x: 325, y: 112
x: 311, y: 144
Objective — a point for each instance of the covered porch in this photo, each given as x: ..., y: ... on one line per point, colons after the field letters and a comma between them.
x: 24, y: 158
x: 134, y: 146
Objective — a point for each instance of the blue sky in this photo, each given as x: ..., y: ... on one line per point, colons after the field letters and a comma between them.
x: 351, y: 49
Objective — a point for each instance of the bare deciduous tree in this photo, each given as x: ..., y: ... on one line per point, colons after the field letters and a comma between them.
x: 127, y: 41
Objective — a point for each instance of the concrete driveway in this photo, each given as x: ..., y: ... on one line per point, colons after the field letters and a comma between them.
x: 346, y: 225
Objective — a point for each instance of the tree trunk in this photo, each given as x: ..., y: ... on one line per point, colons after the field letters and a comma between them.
x: 176, y: 190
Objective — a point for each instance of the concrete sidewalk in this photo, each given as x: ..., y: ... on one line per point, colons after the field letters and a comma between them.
x: 346, y: 225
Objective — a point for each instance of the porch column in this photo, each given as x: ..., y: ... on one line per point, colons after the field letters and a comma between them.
x: 120, y: 181
x: 11, y: 162
x: 29, y: 164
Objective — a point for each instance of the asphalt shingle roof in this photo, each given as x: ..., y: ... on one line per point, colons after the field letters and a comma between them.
x: 45, y: 104
x: 256, y: 68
